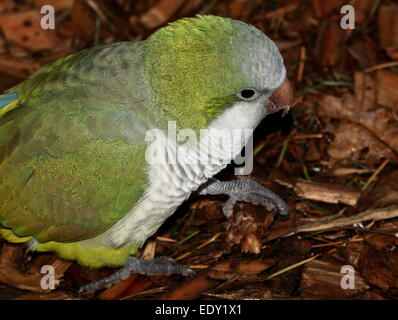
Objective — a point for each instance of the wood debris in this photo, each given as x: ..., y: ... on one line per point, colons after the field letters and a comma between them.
x: 322, y: 280
x: 387, y: 93
x: 388, y: 29
x: 29, y: 280
x: 160, y: 14
x: 242, y: 269
x: 337, y: 220
x: 378, y: 121
x: 324, y: 192
x: 247, y: 229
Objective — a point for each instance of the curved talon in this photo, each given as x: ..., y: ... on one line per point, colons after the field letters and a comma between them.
x: 228, y: 207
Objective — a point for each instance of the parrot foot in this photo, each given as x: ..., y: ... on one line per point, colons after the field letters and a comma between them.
x: 160, y: 266
x: 245, y: 190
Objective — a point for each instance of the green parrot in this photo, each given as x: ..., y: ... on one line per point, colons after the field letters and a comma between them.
x: 76, y: 138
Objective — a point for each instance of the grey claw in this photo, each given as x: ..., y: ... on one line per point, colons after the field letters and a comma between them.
x: 248, y: 191
x: 150, y: 267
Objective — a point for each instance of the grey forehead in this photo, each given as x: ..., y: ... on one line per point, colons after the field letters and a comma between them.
x: 262, y: 62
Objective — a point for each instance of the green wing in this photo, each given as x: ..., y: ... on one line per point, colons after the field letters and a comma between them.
x: 72, y: 145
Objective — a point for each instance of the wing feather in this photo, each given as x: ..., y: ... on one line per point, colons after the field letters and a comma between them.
x: 72, y: 145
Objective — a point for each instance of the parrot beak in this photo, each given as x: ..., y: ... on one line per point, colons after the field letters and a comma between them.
x: 281, y: 98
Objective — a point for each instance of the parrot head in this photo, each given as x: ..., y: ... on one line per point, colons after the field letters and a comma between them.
x: 199, y: 68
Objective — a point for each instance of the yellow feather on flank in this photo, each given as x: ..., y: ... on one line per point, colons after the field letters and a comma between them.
x: 92, y: 257
x: 11, y: 236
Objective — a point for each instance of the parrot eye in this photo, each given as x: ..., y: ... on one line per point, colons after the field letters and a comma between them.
x: 248, y: 94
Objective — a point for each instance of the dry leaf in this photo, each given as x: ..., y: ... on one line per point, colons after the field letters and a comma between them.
x: 7, y: 5
x: 23, y: 28
x: 386, y: 191
x: 376, y: 121
x: 352, y: 141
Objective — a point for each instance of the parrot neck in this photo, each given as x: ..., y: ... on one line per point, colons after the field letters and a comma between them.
x: 170, y: 184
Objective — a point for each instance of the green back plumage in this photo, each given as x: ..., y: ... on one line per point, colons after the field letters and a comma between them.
x: 71, y: 149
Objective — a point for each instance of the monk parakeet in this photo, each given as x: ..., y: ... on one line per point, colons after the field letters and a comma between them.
x: 77, y: 138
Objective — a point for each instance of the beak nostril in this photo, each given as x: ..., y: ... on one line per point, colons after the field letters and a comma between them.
x: 282, y: 97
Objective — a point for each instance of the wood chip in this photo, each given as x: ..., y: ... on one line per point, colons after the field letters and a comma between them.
x: 362, y: 10
x: 331, y: 45
x: 365, y: 90
x: 378, y: 267
x: 58, y: 295
x: 239, y: 8
x: 384, y: 236
x: 291, y: 253
x: 191, y: 289
x: 388, y: 28
x: 12, y: 276
x: 364, y: 53
x: 57, y: 4
x: 160, y: 13
x: 324, y: 192
x: 324, y: 8
x: 321, y: 280
x: 83, y: 18
x: 148, y: 252
x: 387, y: 93
x: 347, y: 171
x: 337, y: 221
x: 189, y: 7
x: 134, y: 284
x: 242, y: 269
